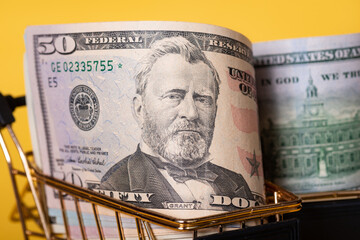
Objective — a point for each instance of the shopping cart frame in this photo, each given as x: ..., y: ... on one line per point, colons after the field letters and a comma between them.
x: 278, y: 202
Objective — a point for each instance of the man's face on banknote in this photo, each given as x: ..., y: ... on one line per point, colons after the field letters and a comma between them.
x: 179, y: 109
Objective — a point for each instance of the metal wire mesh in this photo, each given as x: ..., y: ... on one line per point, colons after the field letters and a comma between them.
x: 279, y: 202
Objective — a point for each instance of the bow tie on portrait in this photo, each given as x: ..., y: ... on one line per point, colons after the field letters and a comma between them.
x: 181, y: 175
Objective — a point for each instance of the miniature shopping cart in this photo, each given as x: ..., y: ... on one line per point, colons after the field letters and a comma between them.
x: 278, y: 200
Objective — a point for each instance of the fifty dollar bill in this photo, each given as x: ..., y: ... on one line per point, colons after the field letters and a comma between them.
x: 161, y: 115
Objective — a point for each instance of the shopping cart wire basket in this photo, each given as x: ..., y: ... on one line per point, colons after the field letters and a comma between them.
x: 278, y: 200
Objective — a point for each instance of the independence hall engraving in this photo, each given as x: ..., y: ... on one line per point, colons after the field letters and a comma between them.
x: 315, y: 144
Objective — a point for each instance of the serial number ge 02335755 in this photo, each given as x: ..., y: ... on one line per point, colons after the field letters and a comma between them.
x: 82, y: 66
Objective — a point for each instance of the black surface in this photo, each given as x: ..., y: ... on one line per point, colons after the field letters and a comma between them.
x: 329, y: 220
x: 283, y: 230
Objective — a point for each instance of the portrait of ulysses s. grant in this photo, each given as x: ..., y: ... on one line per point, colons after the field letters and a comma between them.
x: 175, y: 107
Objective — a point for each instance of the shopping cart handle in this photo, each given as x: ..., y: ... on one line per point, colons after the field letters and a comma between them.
x: 7, y: 106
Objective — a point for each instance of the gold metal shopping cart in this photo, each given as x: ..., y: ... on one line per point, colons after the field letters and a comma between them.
x: 278, y: 200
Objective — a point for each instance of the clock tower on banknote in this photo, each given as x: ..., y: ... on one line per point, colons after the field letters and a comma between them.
x: 314, y: 117
x: 313, y: 108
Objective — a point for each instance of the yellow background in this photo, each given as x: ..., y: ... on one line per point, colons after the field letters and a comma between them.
x: 258, y: 20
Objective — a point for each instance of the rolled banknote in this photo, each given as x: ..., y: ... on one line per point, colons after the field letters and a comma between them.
x: 162, y: 115
x: 309, y: 106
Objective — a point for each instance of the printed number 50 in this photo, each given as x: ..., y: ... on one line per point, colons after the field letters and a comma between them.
x: 62, y: 44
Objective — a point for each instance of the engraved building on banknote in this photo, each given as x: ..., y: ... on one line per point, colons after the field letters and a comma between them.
x: 315, y: 144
